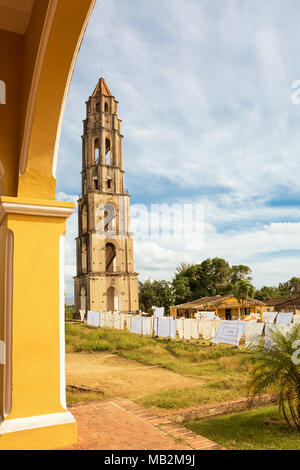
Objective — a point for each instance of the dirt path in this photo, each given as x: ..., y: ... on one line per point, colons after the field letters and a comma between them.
x: 116, y: 376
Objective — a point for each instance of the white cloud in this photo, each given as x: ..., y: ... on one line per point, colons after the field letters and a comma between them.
x: 205, y: 97
x: 158, y: 258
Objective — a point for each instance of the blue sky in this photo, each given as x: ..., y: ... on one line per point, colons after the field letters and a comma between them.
x: 205, y: 90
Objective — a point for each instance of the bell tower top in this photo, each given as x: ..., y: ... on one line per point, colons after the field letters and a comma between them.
x: 102, y: 101
x: 102, y: 88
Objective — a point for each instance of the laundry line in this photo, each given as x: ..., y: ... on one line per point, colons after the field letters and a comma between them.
x: 186, y: 329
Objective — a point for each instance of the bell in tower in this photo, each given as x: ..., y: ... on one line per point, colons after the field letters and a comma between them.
x: 106, y: 280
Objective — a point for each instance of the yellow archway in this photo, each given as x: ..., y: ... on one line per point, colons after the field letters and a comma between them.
x: 39, y: 42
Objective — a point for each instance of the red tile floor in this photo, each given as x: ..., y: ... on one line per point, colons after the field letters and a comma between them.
x: 119, y: 424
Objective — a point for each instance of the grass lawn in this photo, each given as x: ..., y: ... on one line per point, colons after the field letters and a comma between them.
x: 69, y: 312
x: 260, y: 429
x: 78, y: 396
x: 221, y: 371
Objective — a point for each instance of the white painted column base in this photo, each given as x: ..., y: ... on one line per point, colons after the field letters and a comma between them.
x: 34, y: 422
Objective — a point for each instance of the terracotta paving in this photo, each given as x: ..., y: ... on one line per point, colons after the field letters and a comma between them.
x: 119, y: 424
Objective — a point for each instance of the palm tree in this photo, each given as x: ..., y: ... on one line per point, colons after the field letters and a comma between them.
x: 278, y: 366
x: 243, y: 290
x: 182, y: 267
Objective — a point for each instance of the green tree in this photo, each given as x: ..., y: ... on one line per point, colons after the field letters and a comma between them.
x: 158, y: 293
x: 243, y: 289
x: 240, y: 272
x: 182, y: 267
x: 288, y: 289
x: 164, y: 294
x: 182, y: 289
x: 266, y: 293
x: 284, y: 289
x: 146, y: 295
x: 294, y: 283
x: 278, y: 367
x: 214, y: 276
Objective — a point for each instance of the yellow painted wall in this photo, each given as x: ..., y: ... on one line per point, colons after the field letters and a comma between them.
x: 36, y: 386
x: 3, y: 230
x: 36, y: 315
x: 36, y: 338
x: 220, y: 311
x: 38, y: 180
x: 30, y: 50
x: 268, y: 309
x: 235, y: 311
x: 11, y: 48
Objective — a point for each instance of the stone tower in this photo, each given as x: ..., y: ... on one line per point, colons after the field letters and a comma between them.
x: 106, y: 280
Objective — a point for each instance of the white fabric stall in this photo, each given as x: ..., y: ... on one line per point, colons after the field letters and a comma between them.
x: 253, y: 333
x: 284, y: 318
x: 229, y: 332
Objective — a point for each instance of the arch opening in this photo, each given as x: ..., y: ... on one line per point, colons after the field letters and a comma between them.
x: 109, y: 183
x: 96, y: 182
x: 96, y: 151
x: 107, y: 152
x: 83, y: 299
x: 84, y: 257
x: 110, y: 258
x: 110, y: 218
x: 113, y: 299
x: 84, y: 216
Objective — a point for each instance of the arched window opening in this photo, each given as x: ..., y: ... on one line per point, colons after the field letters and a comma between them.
x: 118, y: 299
x: 97, y: 151
x: 107, y: 152
x: 83, y: 299
x: 113, y: 299
x: 106, y: 221
x: 84, y: 258
x: 96, y: 185
x: 84, y: 219
x: 109, y: 218
x: 109, y: 183
x: 106, y: 108
x: 110, y: 257
x: 84, y: 153
x: 98, y: 108
x: 110, y: 299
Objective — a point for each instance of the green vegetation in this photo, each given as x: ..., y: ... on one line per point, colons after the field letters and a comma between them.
x: 158, y: 293
x: 69, y: 312
x: 80, y: 396
x: 214, y: 276
x: 83, y: 338
x: 284, y: 289
x: 279, y: 366
x: 212, y: 392
x: 223, y: 372
x: 259, y: 429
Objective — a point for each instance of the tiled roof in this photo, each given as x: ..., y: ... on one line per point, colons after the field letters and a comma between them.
x: 102, y: 88
x: 291, y: 302
x: 275, y: 302
x: 220, y: 302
